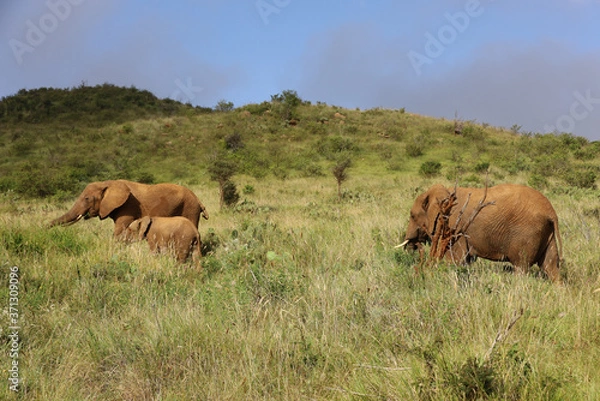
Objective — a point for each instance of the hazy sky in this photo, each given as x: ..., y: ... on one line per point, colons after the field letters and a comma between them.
x: 504, y: 62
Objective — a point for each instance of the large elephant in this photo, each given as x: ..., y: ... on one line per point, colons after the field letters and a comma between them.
x: 518, y: 225
x: 167, y: 234
x: 124, y: 201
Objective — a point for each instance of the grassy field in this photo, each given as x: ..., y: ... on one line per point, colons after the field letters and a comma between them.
x: 301, y: 295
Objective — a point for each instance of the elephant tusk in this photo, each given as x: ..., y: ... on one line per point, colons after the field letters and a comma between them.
x: 402, y: 245
x: 74, y: 221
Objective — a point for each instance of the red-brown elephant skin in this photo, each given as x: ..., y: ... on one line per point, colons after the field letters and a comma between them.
x: 124, y: 201
x: 176, y: 235
x: 519, y: 225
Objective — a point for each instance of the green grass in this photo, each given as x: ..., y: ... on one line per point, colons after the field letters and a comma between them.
x: 306, y: 297
x: 303, y: 295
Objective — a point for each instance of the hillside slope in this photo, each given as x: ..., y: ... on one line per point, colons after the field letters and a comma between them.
x: 53, y: 141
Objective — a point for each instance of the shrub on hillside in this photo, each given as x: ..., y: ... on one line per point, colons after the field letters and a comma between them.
x: 581, y: 179
x: 224, y: 106
x: 537, y: 181
x: 430, y: 168
x: 415, y: 147
x: 284, y: 104
x: 234, y: 142
x: 230, y: 194
x: 481, y: 167
x: 333, y: 146
x: 221, y: 169
x: 257, y: 108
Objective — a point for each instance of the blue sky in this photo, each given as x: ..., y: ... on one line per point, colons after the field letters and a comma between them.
x: 535, y: 64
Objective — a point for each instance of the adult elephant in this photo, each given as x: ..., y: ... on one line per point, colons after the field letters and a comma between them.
x: 124, y: 201
x: 518, y: 225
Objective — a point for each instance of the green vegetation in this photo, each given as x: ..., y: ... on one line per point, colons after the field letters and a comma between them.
x: 302, y: 294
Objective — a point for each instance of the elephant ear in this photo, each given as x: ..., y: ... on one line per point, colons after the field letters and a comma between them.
x: 145, y: 223
x: 115, y: 195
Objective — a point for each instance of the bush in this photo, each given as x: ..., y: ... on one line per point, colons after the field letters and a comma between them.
x: 481, y: 167
x: 312, y: 170
x: 430, y: 168
x: 331, y: 146
x: 581, y: 179
x: 415, y: 148
x: 224, y: 106
x: 234, y: 142
x: 127, y: 128
x: 537, y: 181
x: 230, y: 194
x: 146, y: 178
x: 257, y: 108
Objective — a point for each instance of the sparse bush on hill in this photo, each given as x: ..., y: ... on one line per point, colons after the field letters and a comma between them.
x: 284, y: 104
x: 332, y: 146
x: 481, y: 167
x: 257, y: 108
x: 234, y: 142
x: 584, y: 178
x: 221, y: 169
x: 537, y: 181
x: 230, y: 193
x: 340, y: 174
x: 224, y: 106
x: 430, y: 168
x: 415, y: 147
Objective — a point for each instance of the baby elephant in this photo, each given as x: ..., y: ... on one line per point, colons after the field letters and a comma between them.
x: 175, y: 234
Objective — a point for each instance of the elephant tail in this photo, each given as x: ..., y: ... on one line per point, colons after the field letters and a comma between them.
x: 559, y: 245
x: 203, y: 212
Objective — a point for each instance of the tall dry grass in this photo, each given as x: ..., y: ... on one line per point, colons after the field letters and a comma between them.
x: 302, y: 297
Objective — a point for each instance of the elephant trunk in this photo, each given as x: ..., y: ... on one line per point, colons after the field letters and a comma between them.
x: 71, y: 217
x: 414, y: 239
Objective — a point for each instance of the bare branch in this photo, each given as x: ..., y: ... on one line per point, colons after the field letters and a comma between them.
x: 444, y: 236
x: 502, y: 334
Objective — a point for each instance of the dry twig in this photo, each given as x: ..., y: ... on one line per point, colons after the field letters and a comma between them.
x: 502, y: 334
x: 443, y: 236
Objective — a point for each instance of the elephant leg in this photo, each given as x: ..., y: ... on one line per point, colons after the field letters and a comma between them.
x: 121, y: 224
x: 182, y: 253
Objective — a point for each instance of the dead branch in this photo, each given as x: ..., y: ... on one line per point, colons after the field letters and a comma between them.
x: 477, y: 209
x: 502, y: 334
x: 444, y: 236
x: 462, y: 211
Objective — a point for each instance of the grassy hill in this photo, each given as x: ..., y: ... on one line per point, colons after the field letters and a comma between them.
x: 302, y: 295
x: 55, y: 141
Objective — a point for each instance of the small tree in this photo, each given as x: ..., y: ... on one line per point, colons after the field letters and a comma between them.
x: 230, y: 194
x: 340, y: 174
x: 224, y: 106
x: 221, y: 169
x: 234, y: 142
x: 287, y: 102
